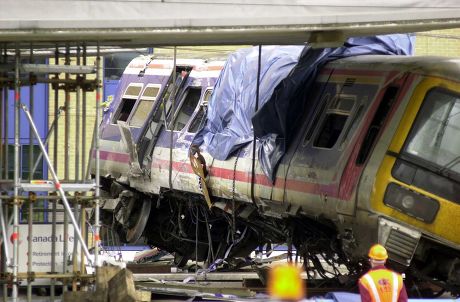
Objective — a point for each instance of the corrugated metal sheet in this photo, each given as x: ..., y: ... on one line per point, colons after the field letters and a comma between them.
x: 199, y: 22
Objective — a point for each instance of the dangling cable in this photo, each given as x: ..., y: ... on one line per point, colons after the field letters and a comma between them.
x: 171, y: 138
x: 208, y: 230
x: 253, y: 174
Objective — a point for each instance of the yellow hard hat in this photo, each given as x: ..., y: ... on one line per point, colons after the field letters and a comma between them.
x: 285, y: 283
x: 378, y: 252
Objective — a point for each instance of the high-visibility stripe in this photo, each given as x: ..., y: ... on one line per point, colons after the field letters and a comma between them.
x: 371, y: 283
x: 394, y: 298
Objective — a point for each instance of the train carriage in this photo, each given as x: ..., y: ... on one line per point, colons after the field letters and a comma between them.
x: 376, y: 159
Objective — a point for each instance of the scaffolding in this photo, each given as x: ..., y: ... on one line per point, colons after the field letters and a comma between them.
x: 77, y: 194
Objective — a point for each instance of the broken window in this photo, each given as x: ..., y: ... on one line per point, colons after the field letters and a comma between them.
x: 334, y: 121
x: 312, y: 126
x: 200, y: 117
x: 376, y: 125
x: 127, y: 102
x: 188, y: 105
x: 144, y: 106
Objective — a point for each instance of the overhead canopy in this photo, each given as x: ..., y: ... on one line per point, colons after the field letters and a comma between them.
x: 203, y: 22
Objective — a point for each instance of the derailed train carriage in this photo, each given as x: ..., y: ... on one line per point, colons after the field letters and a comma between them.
x: 374, y: 157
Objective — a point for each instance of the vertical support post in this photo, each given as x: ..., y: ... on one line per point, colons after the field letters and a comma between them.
x: 5, y: 238
x: 4, y: 172
x: 53, y: 246
x: 15, y: 235
x: 171, y: 122
x: 6, y: 124
x: 67, y: 119
x: 32, y: 199
x: 31, y: 106
x: 83, y: 233
x: 76, y: 204
x: 254, y: 140
x: 31, y: 176
x: 83, y: 165
x: 97, y: 143
x: 66, y: 165
x: 83, y: 124
x: 76, y: 209
x: 56, y: 114
x: 7, y: 258
x: 55, y: 163
x: 77, y: 121
x: 3, y: 168
x: 2, y: 136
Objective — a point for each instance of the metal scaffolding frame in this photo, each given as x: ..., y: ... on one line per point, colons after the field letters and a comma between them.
x: 83, y: 193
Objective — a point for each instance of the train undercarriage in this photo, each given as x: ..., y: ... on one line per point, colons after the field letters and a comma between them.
x: 181, y: 223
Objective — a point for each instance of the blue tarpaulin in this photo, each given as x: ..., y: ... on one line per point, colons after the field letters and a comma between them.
x: 287, y: 73
x: 232, y: 103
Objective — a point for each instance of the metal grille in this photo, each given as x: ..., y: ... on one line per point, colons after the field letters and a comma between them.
x: 401, y: 246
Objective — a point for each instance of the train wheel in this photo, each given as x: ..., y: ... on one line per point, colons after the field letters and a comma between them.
x: 139, y: 217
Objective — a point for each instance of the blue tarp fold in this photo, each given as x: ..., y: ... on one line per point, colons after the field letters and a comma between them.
x: 233, y: 100
x: 287, y: 73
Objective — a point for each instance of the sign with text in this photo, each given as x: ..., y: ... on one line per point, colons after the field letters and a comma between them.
x: 42, y: 247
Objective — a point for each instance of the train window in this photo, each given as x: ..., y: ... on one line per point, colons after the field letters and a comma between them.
x: 133, y: 91
x: 181, y: 75
x: 376, y: 124
x: 187, y: 107
x: 200, y: 117
x: 353, y: 124
x: 334, y: 122
x: 144, y: 105
x: 318, y: 114
x: 434, y: 137
x: 127, y: 102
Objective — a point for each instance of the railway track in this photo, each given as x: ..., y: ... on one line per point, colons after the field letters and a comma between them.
x: 242, y: 284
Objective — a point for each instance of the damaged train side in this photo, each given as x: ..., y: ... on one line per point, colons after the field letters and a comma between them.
x: 376, y: 159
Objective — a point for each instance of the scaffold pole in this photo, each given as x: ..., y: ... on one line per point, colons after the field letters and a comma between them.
x: 55, y: 162
x: 97, y: 143
x: 57, y: 184
x: 31, y: 194
x: 77, y: 207
x: 5, y: 238
x: 65, y: 252
x: 15, y: 234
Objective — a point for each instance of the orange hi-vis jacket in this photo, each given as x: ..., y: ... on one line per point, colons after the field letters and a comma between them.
x: 383, y: 285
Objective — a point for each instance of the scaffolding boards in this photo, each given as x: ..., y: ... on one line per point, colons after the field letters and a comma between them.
x: 76, y: 193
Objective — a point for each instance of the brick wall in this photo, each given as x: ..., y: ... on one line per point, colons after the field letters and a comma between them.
x: 90, y: 119
x: 438, y: 43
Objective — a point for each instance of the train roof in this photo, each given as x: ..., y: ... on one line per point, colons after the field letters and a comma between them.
x: 446, y: 67
x: 164, y: 66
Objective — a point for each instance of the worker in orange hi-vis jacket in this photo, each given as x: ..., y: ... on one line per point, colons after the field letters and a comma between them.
x: 380, y: 284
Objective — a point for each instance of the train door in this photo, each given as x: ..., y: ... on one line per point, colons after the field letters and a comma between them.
x: 159, y: 111
x: 116, y: 160
x: 190, y: 117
